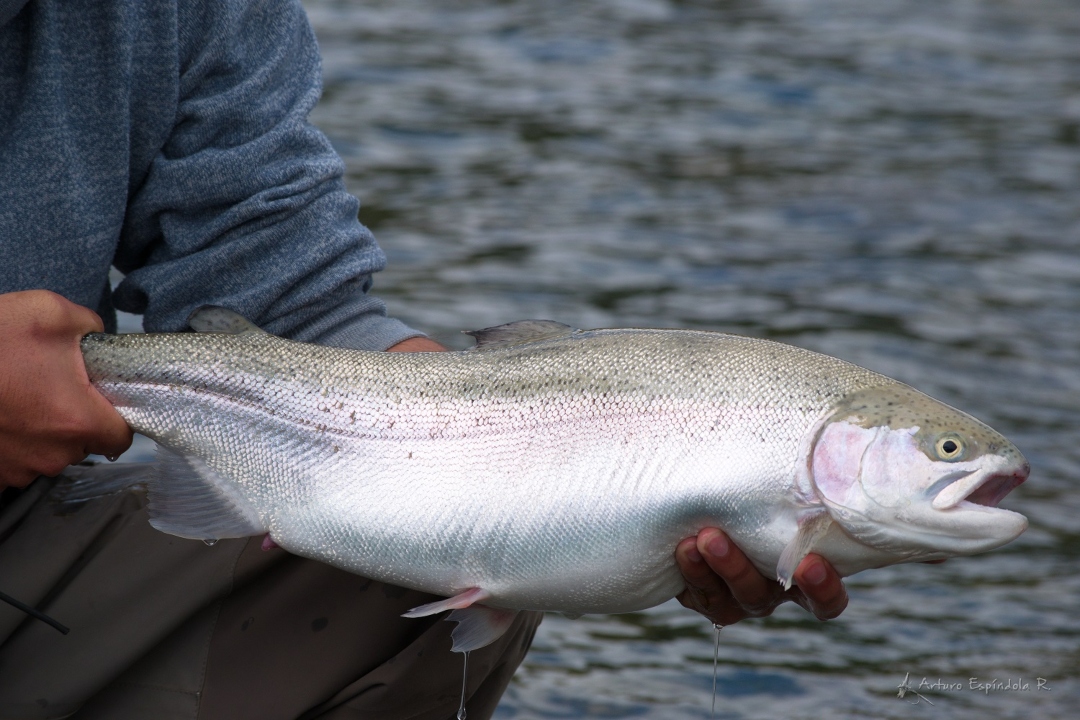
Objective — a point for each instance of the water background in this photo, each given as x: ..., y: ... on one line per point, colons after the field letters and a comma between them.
x: 894, y: 183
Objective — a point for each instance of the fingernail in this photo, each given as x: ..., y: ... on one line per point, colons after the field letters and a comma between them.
x: 693, y: 555
x: 718, y: 546
x: 815, y: 574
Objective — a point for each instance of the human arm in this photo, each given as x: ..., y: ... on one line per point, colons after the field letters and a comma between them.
x: 241, y: 201
x: 725, y: 587
x: 50, y: 414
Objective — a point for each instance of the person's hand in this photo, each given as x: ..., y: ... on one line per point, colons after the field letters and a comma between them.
x: 50, y: 414
x: 417, y: 344
x: 725, y: 587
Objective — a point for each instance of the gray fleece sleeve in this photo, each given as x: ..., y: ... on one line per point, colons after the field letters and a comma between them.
x: 244, y: 206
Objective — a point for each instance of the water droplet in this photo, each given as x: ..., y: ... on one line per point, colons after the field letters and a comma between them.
x: 112, y: 458
x: 464, y: 677
x: 211, y: 542
x: 715, y: 664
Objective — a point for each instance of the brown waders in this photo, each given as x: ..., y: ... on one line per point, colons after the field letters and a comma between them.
x: 164, y: 628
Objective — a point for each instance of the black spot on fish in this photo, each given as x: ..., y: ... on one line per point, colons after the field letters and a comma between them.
x: 319, y: 624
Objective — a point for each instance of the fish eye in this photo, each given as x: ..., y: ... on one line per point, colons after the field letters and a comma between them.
x: 949, y: 447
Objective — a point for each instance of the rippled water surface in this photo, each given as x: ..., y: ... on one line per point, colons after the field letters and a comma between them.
x: 894, y: 183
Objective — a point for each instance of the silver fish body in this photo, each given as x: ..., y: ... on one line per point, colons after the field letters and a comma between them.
x: 552, y: 468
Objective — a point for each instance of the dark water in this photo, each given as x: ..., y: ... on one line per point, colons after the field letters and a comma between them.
x: 894, y: 183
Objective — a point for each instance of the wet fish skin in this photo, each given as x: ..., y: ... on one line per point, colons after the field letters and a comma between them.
x: 550, y: 468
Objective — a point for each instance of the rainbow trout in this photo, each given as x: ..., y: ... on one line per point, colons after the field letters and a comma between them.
x: 549, y: 468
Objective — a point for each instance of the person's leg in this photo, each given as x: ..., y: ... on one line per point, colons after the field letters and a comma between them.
x: 300, y: 639
x: 123, y: 588
x: 169, y: 628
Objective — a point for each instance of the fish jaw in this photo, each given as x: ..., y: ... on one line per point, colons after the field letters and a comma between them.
x: 969, y: 506
x: 980, y: 489
x: 887, y: 489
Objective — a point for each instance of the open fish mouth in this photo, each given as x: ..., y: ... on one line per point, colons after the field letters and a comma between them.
x: 985, y: 490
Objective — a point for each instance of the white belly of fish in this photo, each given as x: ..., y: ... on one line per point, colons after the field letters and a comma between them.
x: 578, y: 509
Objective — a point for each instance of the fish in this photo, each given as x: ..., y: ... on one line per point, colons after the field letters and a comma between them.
x: 547, y: 468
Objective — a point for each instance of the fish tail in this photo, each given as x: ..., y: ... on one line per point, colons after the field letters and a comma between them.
x: 87, y: 481
x: 185, y: 496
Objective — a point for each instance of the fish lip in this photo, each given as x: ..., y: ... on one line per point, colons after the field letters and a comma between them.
x: 981, y: 490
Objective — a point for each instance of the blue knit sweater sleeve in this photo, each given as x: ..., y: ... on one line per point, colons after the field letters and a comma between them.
x: 242, y: 203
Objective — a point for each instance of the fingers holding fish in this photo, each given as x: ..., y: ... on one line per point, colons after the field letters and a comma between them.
x: 819, y: 588
x: 706, y: 592
x: 721, y: 583
x: 50, y: 414
x: 725, y: 587
x: 417, y: 344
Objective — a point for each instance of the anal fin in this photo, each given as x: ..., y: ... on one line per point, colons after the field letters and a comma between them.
x: 479, y: 626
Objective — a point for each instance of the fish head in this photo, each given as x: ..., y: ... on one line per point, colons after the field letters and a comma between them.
x: 909, y: 475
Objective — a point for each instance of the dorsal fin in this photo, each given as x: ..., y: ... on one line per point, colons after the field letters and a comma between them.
x: 519, y: 333
x: 214, y: 319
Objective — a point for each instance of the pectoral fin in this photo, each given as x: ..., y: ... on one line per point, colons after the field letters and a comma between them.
x: 811, y: 529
